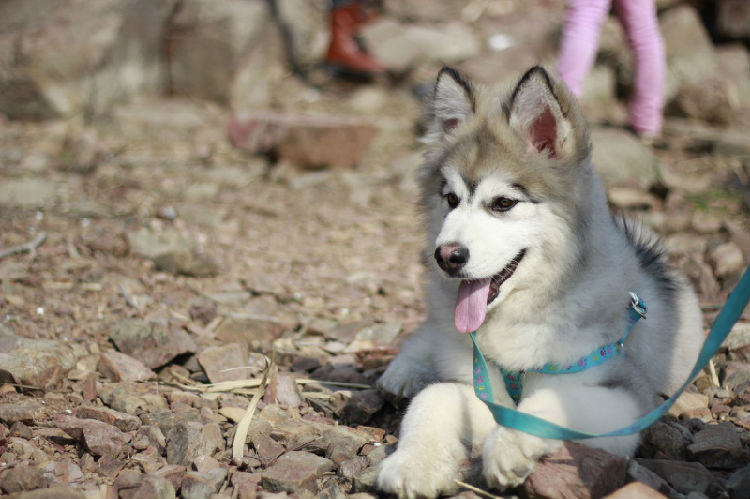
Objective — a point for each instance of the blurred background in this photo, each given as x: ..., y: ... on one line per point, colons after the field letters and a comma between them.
x: 187, y: 185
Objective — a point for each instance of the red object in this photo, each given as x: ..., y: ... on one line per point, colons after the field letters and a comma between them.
x: 344, y: 51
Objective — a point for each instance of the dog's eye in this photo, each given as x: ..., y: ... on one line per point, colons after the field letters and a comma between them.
x: 452, y: 199
x: 502, y: 204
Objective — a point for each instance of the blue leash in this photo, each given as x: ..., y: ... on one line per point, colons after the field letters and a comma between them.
x: 533, y: 425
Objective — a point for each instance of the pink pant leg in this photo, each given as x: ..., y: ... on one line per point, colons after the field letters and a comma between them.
x: 583, y: 22
x: 638, y: 17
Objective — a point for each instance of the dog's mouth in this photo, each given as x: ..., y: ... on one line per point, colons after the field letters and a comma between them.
x: 475, y: 295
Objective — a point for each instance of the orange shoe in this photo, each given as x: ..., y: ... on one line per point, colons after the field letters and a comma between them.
x: 344, y: 52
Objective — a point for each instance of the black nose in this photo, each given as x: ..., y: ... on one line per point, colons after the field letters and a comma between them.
x: 451, y: 257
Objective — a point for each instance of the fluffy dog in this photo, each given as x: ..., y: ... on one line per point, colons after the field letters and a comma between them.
x: 525, y: 252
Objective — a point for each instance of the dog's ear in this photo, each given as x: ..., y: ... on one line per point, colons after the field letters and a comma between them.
x: 543, y: 113
x: 452, y: 102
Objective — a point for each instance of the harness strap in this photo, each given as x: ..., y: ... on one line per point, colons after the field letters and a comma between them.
x: 514, y: 379
x: 533, y: 425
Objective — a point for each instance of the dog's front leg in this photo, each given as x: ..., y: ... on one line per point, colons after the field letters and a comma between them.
x: 508, y: 456
x: 439, y: 429
x: 412, y: 369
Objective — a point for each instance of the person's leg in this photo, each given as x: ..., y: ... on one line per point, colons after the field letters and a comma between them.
x: 638, y: 17
x: 583, y: 22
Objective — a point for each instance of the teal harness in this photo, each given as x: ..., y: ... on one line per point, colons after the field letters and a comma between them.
x: 533, y: 425
x: 514, y: 379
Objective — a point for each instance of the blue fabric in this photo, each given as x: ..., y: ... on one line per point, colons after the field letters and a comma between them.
x: 514, y: 379
x: 533, y: 425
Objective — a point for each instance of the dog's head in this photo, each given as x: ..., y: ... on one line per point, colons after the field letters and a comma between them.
x: 501, y: 185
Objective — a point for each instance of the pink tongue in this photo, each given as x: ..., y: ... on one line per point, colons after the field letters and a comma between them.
x: 471, y: 304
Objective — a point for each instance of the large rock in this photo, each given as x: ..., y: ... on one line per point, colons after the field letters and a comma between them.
x: 34, y: 362
x: 206, y: 41
x: 401, y: 46
x: 688, y: 48
x: 153, y: 343
x: 173, y: 253
x: 122, y: 367
x: 101, y: 439
x: 74, y: 56
x: 296, y: 472
x: 27, y: 193
x: 304, y: 140
x: 719, y: 446
x: 576, y: 470
x: 683, y: 476
x: 621, y: 159
x: 225, y: 363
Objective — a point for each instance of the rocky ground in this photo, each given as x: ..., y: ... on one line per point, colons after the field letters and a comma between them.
x: 181, y: 316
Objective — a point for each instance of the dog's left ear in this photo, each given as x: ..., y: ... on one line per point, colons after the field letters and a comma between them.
x: 541, y: 112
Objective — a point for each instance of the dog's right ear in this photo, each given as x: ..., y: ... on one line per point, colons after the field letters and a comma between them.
x: 452, y: 102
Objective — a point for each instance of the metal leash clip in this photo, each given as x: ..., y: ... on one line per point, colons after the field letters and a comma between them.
x: 638, y: 305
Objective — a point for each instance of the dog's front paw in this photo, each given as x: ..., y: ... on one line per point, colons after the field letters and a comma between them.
x: 405, y: 378
x: 509, y: 456
x: 409, y: 476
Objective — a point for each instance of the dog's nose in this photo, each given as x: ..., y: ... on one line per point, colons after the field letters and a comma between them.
x: 451, y: 257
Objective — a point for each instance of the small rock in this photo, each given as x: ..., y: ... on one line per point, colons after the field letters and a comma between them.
x: 122, y: 367
x: 636, y: 490
x: 621, y: 159
x: 576, y: 470
x: 39, y: 363
x: 25, y: 410
x: 663, y: 440
x: 404, y: 45
x: 132, y: 397
x: 283, y: 390
x: 225, y: 363
x: 152, y: 343
x: 365, y: 479
x: 151, y: 487
x: 296, y: 472
x: 351, y: 467
x: 121, y: 421
x: 362, y: 406
x: 149, y: 435
x: 203, y: 310
x: 738, y: 338
x: 266, y: 447
x: 638, y: 473
x: 27, y: 193
x: 719, y: 446
x: 625, y: 197
x: 99, y: 438
x: 59, y: 492
x: 688, y: 402
x: 189, y: 440
x: 24, y: 476
x: 191, y: 263
x: 727, y: 260
x: 172, y: 473
x: 197, y: 485
x: 246, y: 484
x: 738, y: 484
x: 735, y: 375
x: 684, y: 477
x: 343, y: 443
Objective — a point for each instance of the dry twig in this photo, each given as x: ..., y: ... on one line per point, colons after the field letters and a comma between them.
x: 31, y: 246
x: 240, y: 433
x: 476, y: 489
